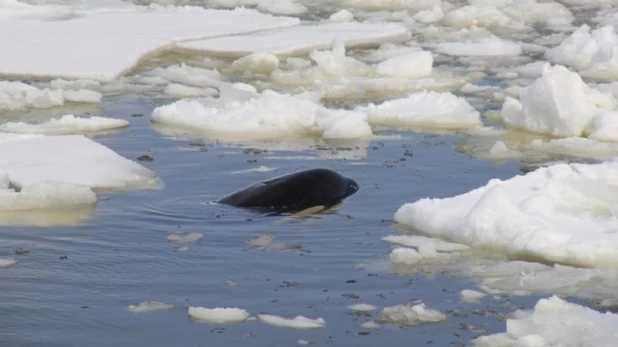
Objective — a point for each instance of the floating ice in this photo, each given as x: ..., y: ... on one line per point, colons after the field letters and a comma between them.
x: 261, y: 169
x: 594, y: 53
x: 6, y: 262
x: 301, y: 39
x: 423, y: 242
x: 15, y: 96
x: 260, y: 63
x: 489, y: 46
x: 262, y: 116
x: 218, y: 315
x: 131, y: 35
x: 471, y: 296
x: 184, y: 237
x: 424, y: 109
x: 478, y: 16
x: 67, y: 124
x: 555, y: 322
x: 75, y: 159
x: 562, y: 213
x: 412, y: 65
x: 410, y: 315
x: 558, y: 103
x: 362, y: 307
x: 299, y: 322
x: 148, y: 306
x: 370, y: 325
x: 341, y: 16
x: 42, y: 195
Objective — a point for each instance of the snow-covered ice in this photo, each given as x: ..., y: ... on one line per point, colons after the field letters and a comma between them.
x: 130, y: 35
x: 556, y: 322
x: 298, y: 322
x: 17, y: 96
x: 71, y: 159
x: 559, y: 103
x: 218, y: 315
x: 362, y: 307
x: 302, y: 39
x: 67, y: 124
x: 562, y: 213
x: 148, y: 306
x: 471, y: 296
x: 263, y: 116
x: 424, y: 109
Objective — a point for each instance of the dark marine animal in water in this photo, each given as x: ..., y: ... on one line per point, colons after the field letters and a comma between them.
x: 294, y: 192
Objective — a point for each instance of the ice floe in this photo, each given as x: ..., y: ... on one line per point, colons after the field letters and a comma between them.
x: 218, y: 315
x: 362, y: 307
x: 410, y: 315
x: 298, y: 322
x: 149, y: 306
x: 471, y: 296
x: 263, y: 116
x: 184, y: 237
x: 555, y: 322
x: 17, y: 96
x: 303, y: 39
x: 129, y: 34
x: 7, y: 262
x: 67, y: 124
x: 424, y: 109
x: 549, y: 106
x: 593, y: 53
x: 562, y: 213
x: 71, y: 159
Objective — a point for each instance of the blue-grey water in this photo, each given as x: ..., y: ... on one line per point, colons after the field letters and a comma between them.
x: 74, y: 286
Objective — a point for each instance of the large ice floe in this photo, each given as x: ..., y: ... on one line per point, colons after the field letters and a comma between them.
x: 300, y: 40
x: 564, y: 213
x: 69, y: 160
x: 65, y: 125
x: 555, y: 322
x: 132, y: 34
x: 559, y: 103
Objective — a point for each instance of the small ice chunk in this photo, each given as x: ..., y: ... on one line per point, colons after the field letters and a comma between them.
x: 299, y: 322
x: 261, y: 169
x: 262, y: 241
x: 412, y: 65
x: 362, y: 307
x: 182, y: 91
x: 258, y: 63
x: 341, y: 16
x: 218, y: 315
x: 471, y: 296
x: 6, y: 262
x: 490, y: 46
x: 370, y: 325
x: 148, y: 306
x: 409, y: 315
x: 184, y: 237
x: 419, y: 241
x: 605, y: 127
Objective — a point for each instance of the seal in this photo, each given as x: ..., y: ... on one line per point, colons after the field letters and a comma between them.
x: 297, y: 191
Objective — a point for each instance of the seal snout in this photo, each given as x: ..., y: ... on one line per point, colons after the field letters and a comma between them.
x: 352, y: 187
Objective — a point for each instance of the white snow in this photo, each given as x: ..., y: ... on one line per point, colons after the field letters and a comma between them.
x: 409, y: 315
x: 262, y: 116
x: 41, y: 47
x: 562, y: 213
x: 148, y: 306
x: 7, y: 262
x: 558, y: 103
x: 74, y: 159
x: 218, y: 315
x: 67, y: 124
x: 298, y: 322
x: 471, y: 296
x: 303, y: 39
x: 594, y: 53
x: 17, y: 96
x: 424, y: 109
x: 184, y: 237
x: 555, y: 322
x: 362, y: 307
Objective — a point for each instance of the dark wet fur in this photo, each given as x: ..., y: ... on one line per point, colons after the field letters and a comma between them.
x: 294, y: 192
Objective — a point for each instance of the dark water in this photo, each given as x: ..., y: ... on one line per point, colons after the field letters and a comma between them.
x: 75, y: 285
